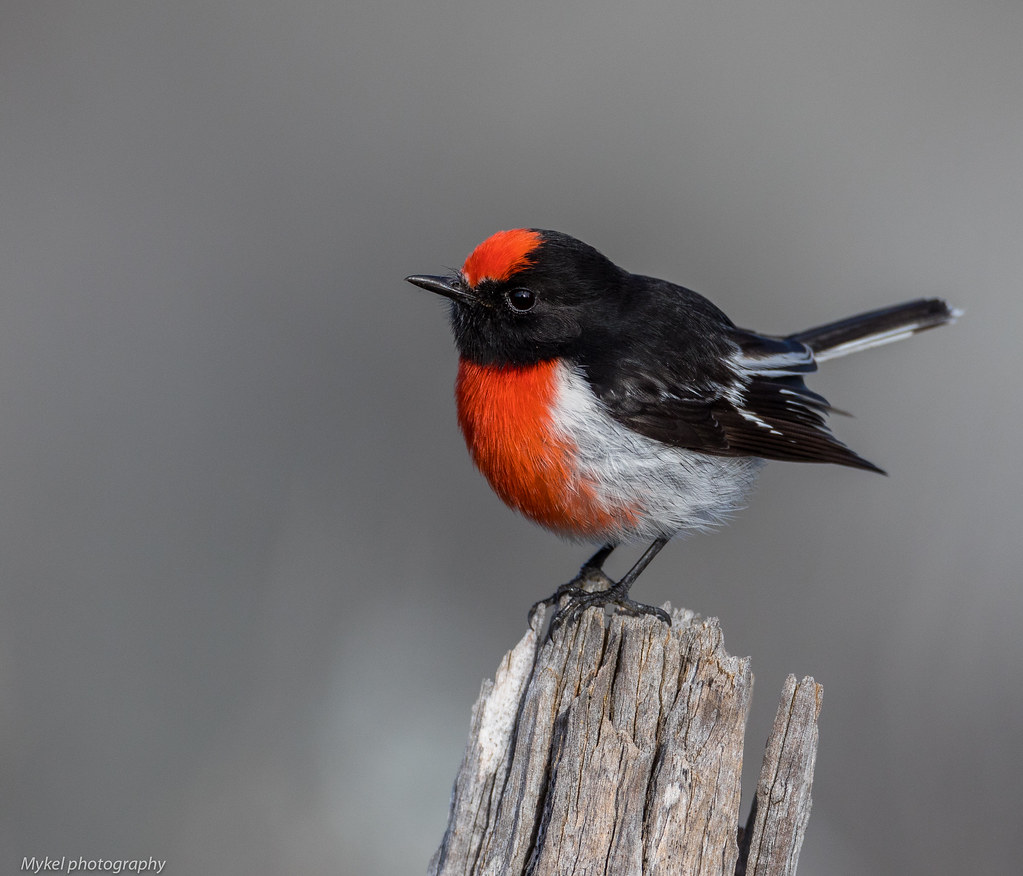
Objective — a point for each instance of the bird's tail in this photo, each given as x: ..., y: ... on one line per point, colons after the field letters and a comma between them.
x: 876, y: 327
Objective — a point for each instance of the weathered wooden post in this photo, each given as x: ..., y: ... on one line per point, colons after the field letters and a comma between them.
x: 616, y: 748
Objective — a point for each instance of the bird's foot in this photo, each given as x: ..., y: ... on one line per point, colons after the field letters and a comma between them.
x: 590, y: 581
x: 613, y: 596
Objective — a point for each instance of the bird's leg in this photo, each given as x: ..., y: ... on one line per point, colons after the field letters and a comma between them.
x: 616, y: 595
x: 591, y: 572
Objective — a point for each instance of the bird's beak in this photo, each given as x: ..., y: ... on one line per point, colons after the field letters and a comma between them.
x: 446, y: 286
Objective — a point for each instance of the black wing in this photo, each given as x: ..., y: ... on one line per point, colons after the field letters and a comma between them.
x: 742, y: 397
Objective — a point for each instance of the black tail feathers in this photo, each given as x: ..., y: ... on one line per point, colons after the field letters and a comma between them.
x: 876, y: 327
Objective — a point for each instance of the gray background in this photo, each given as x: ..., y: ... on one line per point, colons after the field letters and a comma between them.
x: 250, y: 581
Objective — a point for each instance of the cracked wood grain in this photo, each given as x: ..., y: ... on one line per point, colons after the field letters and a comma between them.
x: 616, y: 748
x: 782, y: 806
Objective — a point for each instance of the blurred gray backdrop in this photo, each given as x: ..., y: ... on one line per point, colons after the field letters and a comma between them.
x: 250, y: 580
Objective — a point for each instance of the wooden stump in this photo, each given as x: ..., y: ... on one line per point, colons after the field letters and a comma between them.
x: 616, y: 748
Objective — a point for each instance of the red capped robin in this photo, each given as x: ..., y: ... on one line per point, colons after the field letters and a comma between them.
x: 612, y: 407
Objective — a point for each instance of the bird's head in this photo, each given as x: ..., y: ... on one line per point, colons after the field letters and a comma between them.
x: 526, y: 295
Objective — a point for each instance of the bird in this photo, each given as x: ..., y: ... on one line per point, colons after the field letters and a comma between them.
x: 614, y: 407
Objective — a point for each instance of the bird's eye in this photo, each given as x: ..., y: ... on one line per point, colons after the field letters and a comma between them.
x: 522, y: 299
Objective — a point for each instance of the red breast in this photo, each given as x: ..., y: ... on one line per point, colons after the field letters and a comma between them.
x: 507, y: 414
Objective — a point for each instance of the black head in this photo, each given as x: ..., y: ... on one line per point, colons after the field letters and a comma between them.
x: 527, y: 295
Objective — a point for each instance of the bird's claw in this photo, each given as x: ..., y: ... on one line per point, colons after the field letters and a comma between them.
x: 572, y: 611
x: 590, y: 579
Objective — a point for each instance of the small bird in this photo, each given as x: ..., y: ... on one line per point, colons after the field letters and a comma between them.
x: 612, y: 407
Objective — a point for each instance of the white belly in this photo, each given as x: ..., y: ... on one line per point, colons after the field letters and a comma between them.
x: 668, y: 489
